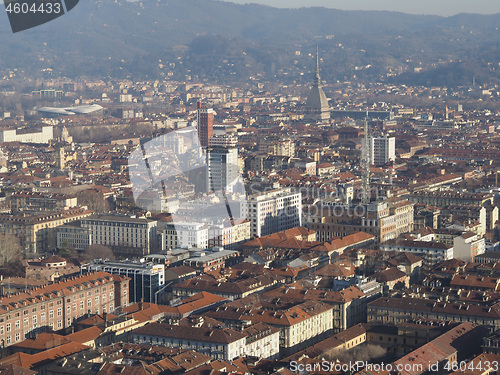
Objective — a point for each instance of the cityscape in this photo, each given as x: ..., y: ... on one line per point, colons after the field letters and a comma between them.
x: 315, y: 212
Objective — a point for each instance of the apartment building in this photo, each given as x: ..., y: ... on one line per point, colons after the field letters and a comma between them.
x: 272, y: 211
x: 125, y: 235
x: 37, y: 233
x: 231, y: 289
x: 211, y: 259
x: 262, y: 341
x: 277, y: 146
x: 300, y: 323
x: 349, y: 305
x: 446, y: 198
x: 41, y: 201
x: 395, y: 311
x: 468, y: 245
x: 229, y: 233
x: 73, y: 236
x: 219, y: 343
x: 455, y: 346
x: 59, y: 305
x: 43, y: 136
x: 385, y: 220
x: 185, y: 235
x: 454, y: 202
x: 431, y: 252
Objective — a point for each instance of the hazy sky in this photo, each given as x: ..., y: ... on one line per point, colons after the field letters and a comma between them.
x: 441, y: 7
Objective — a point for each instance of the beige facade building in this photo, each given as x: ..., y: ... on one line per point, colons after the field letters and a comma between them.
x: 38, y: 233
x: 384, y: 220
x: 398, y: 310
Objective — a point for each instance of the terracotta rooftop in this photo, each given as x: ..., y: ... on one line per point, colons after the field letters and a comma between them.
x: 29, y: 361
x: 43, y: 342
x: 442, y: 348
x: 224, y: 336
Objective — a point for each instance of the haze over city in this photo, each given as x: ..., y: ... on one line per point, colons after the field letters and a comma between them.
x: 441, y: 7
x: 203, y: 188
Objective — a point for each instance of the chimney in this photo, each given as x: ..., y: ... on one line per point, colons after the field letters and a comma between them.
x: 198, y: 105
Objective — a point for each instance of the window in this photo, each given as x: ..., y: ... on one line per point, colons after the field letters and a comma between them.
x: 82, y: 305
x: 59, y: 324
x: 18, y: 324
x: 96, y: 300
x: 35, y: 319
x: 42, y: 317
x: 1, y: 330
x: 51, y: 314
x: 18, y: 336
x: 59, y: 311
x: 89, y: 302
x: 8, y: 327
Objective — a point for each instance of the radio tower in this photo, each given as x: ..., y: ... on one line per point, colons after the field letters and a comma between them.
x: 365, y: 165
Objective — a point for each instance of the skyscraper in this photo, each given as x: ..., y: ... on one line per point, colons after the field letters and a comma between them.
x: 223, y: 170
x: 382, y: 150
x: 317, y: 107
x: 205, y: 124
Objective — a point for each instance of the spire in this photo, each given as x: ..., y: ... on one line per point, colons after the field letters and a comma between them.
x: 317, y: 106
x: 317, y: 78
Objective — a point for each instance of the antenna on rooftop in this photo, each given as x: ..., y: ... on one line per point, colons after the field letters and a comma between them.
x: 365, y: 164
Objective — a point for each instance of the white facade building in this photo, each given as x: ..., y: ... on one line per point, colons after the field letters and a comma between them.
x: 263, y: 341
x: 185, y: 235
x: 223, y: 170
x: 468, y: 246
x: 382, y: 150
x: 73, y: 236
x: 431, y: 252
x: 273, y: 211
x: 223, y: 140
x: 225, y: 344
x: 122, y: 231
x: 44, y: 136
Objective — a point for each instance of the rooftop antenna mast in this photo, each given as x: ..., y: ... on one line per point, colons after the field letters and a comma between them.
x: 365, y: 165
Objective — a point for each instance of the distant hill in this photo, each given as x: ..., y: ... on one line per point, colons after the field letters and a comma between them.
x: 216, y: 40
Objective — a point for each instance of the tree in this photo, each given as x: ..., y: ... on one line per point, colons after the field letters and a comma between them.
x: 94, y: 200
x: 97, y: 252
x: 66, y: 251
x: 10, y: 249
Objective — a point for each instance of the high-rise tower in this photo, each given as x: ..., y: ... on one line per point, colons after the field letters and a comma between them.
x: 317, y: 107
x: 223, y: 171
x: 205, y: 124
